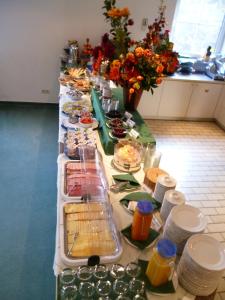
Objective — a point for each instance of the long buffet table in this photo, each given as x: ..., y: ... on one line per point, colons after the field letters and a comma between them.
x: 121, y: 217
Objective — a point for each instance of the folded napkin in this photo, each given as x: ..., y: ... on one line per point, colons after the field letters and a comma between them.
x: 140, y: 244
x: 166, y: 288
x: 136, y: 196
x: 129, y: 182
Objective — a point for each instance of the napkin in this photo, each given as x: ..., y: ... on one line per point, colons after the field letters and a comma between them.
x: 140, y: 244
x: 136, y: 196
x: 166, y: 288
x: 129, y: 182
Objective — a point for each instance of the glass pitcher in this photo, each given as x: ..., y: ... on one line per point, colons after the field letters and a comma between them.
x: 161, y: 265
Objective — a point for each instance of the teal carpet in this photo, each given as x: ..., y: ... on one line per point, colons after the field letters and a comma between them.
x: 28, y: 171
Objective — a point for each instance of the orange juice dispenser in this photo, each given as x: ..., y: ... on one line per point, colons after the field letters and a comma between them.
x: 161, y: 264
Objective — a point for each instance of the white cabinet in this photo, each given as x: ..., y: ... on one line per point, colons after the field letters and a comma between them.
x: 220, y: 110
x: 185, y: 99
x: 203, y: 100
x: 175, y: 99
x: 149, y: 104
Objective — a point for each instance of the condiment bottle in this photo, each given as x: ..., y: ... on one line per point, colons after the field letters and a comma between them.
x: 142, y: 220
x: 161, y: 265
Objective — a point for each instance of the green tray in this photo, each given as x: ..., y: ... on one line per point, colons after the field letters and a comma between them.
x: 107, y: 142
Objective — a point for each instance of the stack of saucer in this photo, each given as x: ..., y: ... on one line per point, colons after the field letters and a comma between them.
x: 182, y: 222
x: 201, y: 265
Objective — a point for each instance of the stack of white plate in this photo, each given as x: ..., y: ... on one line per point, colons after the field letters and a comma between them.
x: 201, y: 265
x: 182, y: 222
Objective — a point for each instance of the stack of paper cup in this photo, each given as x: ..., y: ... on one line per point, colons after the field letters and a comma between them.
x: 171, y: 198
x: 163, y: 184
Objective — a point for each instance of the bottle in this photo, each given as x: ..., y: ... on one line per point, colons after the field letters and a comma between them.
x: 161, y: 264
x: 142, y: 220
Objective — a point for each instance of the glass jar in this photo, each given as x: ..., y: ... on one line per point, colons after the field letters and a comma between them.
x: 161, y: 265
x: 142, y: 220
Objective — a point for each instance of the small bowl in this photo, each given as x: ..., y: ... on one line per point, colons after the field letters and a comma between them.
x: 116, y: 123
x: 119, y: 132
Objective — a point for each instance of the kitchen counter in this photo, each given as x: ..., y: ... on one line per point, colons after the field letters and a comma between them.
x: 193, y: 77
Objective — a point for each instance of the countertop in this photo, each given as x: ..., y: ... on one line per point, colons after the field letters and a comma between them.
x: 194, y: 77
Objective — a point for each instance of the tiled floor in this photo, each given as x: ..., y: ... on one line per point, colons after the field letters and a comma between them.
x: 194, y: 154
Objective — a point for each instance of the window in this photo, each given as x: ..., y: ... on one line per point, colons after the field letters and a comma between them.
x: 198, y: 24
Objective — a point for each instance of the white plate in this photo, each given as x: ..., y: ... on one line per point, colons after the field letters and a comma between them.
x: 120, y: 168
x: 206, y: 252
x: 150, y: 245
x: 68, y: 125
x: 188, y: 218
x: 93, y: 125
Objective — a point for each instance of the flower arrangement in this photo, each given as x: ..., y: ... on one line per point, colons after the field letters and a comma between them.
x: 140, y: 65
x: 140, y: 69
x: 119, y: 21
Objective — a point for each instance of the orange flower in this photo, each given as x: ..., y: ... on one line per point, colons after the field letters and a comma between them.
x: 158, y: 80
x: 130, y: 56
x: 124, y: 12
x: 131, y: 90
x: 159, y: 68
x: 116, y: 63
x: 132, y: 80
x: 114, y: 73
x: 116, y: 12
x: 147, y: 52
x: 140, y: 78
x: 139, y: 51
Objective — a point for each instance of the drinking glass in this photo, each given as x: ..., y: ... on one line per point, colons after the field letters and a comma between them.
x: 100, y: 271
x: 87, y: 289
x: 67, y: 276
x: 103, y: 287
x: 121, y: 297
x: 120, y: 287
x: 139, y: 297
x: 136, y: 286
x: 117, y: 271
x: 84, y: 273
x: 133, y: 270
x: 69, y: 292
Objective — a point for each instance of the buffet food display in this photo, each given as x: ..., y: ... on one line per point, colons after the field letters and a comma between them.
x: 86, y: 222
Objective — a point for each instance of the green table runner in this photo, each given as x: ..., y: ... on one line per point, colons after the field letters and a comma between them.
x: 107, y: 142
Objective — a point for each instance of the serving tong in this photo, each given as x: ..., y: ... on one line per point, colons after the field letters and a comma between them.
x: 75, y: 236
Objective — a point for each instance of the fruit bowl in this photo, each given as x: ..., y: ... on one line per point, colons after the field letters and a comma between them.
x: 115, y: 123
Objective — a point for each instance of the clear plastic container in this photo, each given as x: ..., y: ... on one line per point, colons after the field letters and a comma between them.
x: 84, y: 179
x: 127, y: 155
x: 88, y: 229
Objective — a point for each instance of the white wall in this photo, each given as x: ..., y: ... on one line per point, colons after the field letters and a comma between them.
x: 34, y: 32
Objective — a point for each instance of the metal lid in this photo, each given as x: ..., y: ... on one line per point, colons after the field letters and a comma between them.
x: 175, y: 197
x: 166, y: 180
